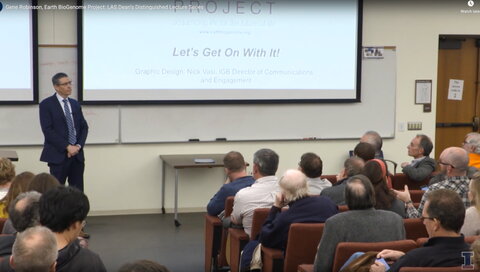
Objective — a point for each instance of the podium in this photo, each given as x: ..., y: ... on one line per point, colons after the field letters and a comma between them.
x: 184, y: 161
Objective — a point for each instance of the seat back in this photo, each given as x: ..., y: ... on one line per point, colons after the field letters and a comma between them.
x: 222, y: 256
x: 331, y: 178
x: 437, y: 269
x: 259, y: 217
x: 400, y: 180
x: 213, y: 237
x: 342, y: 208
x: 303, y: 240
x: 416, y: 195
x: 414, y: 228
x: 346, y: 249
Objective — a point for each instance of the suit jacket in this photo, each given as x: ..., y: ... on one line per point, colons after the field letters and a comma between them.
x: 55, y: 130
x: 337, y: 192
x: 422, y: 170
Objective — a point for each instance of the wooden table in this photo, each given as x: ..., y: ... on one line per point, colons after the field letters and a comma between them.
x: 186, y: 161
x: 12, y: 155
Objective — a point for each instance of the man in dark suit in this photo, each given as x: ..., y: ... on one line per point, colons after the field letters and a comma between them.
x: 65, y: 131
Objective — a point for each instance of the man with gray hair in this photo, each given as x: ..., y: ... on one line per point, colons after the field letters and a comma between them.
x: 352, y: 166
x: 373, y: 138
x: 302, y: 209
x: 24, y: 213
x: 261, y: 194
x: 453, y: 165
x: 472, y: 145
x: 422, y: 165
x: 35, y: 249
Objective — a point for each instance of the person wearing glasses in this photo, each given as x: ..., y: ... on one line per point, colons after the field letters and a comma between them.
x: 422, y: 165
x: 453, y: 163
x: 443, y: 216
x: 65, y: 131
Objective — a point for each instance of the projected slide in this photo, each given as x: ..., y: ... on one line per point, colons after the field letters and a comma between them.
x: 16, y: 51
x: 219, y: 50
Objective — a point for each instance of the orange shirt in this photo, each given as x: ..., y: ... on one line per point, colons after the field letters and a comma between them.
x: 474, y: 160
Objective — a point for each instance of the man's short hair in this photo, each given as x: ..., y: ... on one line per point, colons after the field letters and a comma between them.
x: 294, y: 184
x: 353, y: 166
x: 234, y: 161
x: 473, y: 138
x: 24, y: 211
x: 365, y: 151
x: 267, y: 161
x: 7, y: 171
x: 425, y: 143
x: 374, y: 139
x: 311, y: 165
x: 359, y: 193
x: 56, y: 78
x: 35, y: 249
x: 143, y: 266
x: 61, y: 207
x: 447, y: 207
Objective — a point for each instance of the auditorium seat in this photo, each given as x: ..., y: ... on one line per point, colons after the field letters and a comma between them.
x: 238, y: 237
x: 416, y: 195
x: 437, y: 269
x: 342, y: 208
x: 400, y: 180
x: 414, y: 228
x: 305, y: 268
x: 346, y: 249
x: 331, y: 178
x: 303, y: 240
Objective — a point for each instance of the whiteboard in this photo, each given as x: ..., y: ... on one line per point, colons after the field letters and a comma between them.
x: 177, y: 123
x: 20, y: 124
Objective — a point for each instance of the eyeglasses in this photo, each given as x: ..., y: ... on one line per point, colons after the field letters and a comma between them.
x: 65, y: 84
x: 446, y: 164
x: 84, y: 223
x: 427, y: 218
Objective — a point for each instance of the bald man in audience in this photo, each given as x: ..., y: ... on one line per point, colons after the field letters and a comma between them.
x: 352, y: 166
x: 312, y: 166
x: 443, y: 217
x: 453, y: 164
x: 237, y: 179
x: 361, y: 223
x: 373, y: 138
x: 35, y: 249
x: 422, y: 165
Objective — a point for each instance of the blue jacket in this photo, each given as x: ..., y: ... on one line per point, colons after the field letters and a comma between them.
x: 217, y: 203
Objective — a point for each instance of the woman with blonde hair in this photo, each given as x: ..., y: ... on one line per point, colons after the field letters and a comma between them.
x: 19, y: 185
x: 7, y: 173
x: 471, y: 225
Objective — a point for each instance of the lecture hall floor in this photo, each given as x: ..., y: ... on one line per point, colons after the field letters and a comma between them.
x: 121, y: 239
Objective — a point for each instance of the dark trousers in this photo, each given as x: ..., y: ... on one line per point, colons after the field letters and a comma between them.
x: 71, y: 169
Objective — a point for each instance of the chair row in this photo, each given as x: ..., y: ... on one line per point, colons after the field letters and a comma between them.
x: 398, y: 181
x: 346, y: 249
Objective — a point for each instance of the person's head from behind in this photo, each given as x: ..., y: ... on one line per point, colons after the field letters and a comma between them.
x: 474, y: 191
x: 443, y: 213
x: 359, y: 194
x: 351, y: 167
x: 19, y: 185
x: 234, y: 163
x: 311, y: 165
x: 265, y: 163
x: 472, y: 142
x: 35, y: 249
x: 7, y: 171
x: 373, y: 138
x: 293, y: 185
x: 143, y: 266
x: 376, y: 171
x: 365, y: 151
x: 43, y: 182
x: 453, y: 161
x: 24, y: 211
x: 63, y: 210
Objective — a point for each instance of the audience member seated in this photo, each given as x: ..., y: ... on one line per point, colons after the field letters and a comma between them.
x: 364, y: 151
x: 7, y: 173
x: 19, y: 185
x: 302, y: 209
x: 471, y: 226
x: 40, y: 183
x: 443, y: 217
x: 422, y: 165
x: 453, y: 165
x: 63, y: 210
x: 35, y: 249
x: 24, y: 214
x: 373, y: 138
x: 472, y: 145
x: 352, y: 166
x: 143, y: 266
x: 237, y: 179
x: 361, y: 223
x: 312, y: 166
x: 43, y: 182
x: 376, y: 171
x: 261, y: 194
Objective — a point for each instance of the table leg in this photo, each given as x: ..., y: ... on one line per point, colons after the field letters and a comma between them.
x: 176, y: 199
x: 163, y: 186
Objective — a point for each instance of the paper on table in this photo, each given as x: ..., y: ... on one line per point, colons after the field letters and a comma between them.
x: 204, y: 160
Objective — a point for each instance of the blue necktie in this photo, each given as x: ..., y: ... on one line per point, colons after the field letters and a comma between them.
x: 72, y: 139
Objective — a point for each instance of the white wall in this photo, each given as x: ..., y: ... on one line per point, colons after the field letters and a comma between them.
x: 126, y: 178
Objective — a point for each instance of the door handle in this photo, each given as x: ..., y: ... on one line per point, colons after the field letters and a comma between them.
x: 474, y: 124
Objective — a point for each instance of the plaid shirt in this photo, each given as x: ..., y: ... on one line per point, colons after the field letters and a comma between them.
x: 457, y: 184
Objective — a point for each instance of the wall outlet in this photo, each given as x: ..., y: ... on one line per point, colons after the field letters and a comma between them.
x: 414, y: 125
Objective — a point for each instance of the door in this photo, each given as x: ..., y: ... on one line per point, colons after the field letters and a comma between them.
x: 458, y: 58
